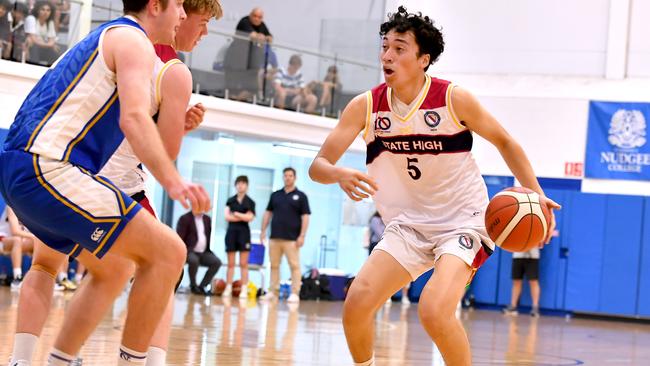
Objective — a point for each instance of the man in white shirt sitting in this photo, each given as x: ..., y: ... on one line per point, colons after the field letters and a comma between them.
x: 195, y: 229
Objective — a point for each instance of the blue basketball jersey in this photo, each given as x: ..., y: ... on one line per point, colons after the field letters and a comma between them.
x: 72, y: 114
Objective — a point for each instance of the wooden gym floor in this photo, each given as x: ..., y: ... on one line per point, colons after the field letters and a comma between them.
x: 210, y: 331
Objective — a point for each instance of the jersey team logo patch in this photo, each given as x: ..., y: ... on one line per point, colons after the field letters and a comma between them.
x: 432, y: 119
x: 466, y: 242
x: 97, y: 234
x: 382, y: 123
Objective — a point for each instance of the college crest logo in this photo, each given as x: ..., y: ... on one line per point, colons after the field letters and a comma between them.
x: 432, y: 119
x: 627, y: 129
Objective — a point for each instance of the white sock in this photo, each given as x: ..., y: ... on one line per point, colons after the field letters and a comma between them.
x: 78, y: 277
x: 131, y: 357
x: 61, y: 276
x: 156, y: 356
x: 18, y: 272
x: 370, y: 362
x: 24, y: 345
x: 59, y: 358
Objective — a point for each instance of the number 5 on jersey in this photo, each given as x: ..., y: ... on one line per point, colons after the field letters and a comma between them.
x: 413, y: 170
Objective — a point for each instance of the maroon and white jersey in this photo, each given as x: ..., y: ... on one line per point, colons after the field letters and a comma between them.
x: 422, y: 161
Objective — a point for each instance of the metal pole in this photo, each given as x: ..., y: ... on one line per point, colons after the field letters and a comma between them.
x: 266, y: 62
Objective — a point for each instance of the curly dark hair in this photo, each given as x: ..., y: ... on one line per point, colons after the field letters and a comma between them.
x: 427, y: 36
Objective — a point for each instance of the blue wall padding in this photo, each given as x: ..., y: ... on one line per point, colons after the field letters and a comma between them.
x: 3, y: 134
x: 643, y: 304
x: 620, y: 265
x: 585, y: 239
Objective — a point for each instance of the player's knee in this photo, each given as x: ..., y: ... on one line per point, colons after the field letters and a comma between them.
x: 434, y: 312
x: 173, y: 257
x: 231, y: 265
x: 359, y: 301
x: 179, y: 254
x: 115, y: 271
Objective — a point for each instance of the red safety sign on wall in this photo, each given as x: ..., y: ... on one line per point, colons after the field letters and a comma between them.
x: 573, y: 169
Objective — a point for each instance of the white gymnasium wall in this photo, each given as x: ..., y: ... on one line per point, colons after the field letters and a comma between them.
x: 519, y: 37
x: 639, y: 43
x: 551, y: 37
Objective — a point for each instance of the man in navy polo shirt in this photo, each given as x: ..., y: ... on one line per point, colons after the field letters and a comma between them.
x: 288, y: 211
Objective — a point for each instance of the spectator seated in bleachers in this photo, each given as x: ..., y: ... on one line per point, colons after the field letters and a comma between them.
x: 290, y: 88
x: 41, y: 34
x: 328, y: 90
x: 5, y: 27
x: 62, y: 16
x: 253, y: 26
x: 14, y: 239
x: 15, y: 49
x: 244, y: 60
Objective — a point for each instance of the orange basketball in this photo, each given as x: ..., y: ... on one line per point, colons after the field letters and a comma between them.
x: 236, y: 288
x: 516, y: 221
x: 218, y: 285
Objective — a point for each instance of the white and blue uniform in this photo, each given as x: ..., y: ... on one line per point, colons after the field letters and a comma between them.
x: 124, y: 169
x: 63, y: 134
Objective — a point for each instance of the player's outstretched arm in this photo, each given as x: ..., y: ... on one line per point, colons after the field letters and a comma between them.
x: 323, y: 169
x: 176, y: 89
x: 131, y: 56
x: 479, y: 120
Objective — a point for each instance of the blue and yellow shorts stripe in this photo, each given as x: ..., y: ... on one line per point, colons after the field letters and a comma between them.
x: 65, y: 206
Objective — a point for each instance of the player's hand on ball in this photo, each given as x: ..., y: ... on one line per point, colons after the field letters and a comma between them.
x: 356, y: 185
x: 190, y: 195
x: 194, y: 117
x: 550, y: 205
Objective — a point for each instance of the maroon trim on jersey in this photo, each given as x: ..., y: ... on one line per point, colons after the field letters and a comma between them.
x: 165, y: 52
x: 419, y: 144
x: 437, y: 95
x: 379, y: 99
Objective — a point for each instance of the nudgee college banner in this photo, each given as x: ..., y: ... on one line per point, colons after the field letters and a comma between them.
x: 617, y: 145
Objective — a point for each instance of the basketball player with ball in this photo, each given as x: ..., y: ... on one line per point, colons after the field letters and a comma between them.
x: 425, y: 184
